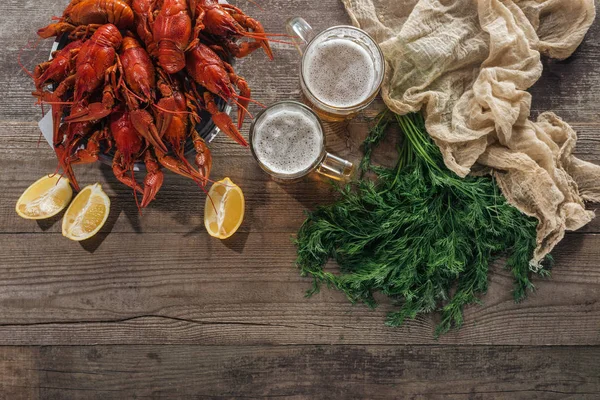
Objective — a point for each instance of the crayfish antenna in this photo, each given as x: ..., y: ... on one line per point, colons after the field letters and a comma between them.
x: 267, y: 36
x: 258, y: 103
x: 256, y: 4
x: 19, y: 56
x: 237, y: 103
x: 58, y: 103
x: 170, y: 111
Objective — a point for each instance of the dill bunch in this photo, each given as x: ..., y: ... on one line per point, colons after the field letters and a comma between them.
x: 417, y: 233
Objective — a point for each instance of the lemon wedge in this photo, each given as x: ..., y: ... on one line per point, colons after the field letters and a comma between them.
x: 224, y: 209
x: 45, y: 198
x: 87, y: 213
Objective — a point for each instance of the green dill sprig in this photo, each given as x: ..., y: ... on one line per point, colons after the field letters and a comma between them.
x: 418, y: 233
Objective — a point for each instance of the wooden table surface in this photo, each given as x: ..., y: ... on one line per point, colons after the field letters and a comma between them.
x: 154, y: 308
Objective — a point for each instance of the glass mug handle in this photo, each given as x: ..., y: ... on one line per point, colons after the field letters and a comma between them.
x: 336, y: 168
x: 301, y: 31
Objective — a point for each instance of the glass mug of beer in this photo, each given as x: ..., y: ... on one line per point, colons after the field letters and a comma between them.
x: 287, y: 140
x: 341, y: 71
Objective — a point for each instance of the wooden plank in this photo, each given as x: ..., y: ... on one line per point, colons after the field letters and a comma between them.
x: 21, y: 21
x: 570, y: 87
x: 272, y: 207
x: 312, y: 372
x: 175, y: 285
x: 272, y: 82
x: 19, y: 375
x: 187, y: 289
x: 179, y: 207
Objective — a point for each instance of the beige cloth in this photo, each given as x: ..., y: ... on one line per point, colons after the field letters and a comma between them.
x: 468, y: 64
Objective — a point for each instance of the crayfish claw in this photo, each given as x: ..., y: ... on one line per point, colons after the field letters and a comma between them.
x: 124, y: 173
x: 222, y: 120
x: 153, y: 181
x: 93, y: 112
x: 203, y: 157
x: 55, y: 29
x: 144, y: 124
x: 224, y: 123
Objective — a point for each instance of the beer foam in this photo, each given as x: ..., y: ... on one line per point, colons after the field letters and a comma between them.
x: 339, y: 72
x: 287, y: 141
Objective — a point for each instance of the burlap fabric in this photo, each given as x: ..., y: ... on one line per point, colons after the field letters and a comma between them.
x: 467, y: 64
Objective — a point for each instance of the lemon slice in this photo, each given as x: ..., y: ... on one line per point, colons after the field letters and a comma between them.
x: 87, y: 213
x: 45, y: 198
x: 225, y: 213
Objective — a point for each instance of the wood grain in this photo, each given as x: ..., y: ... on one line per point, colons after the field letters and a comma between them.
x: 570, y: 87
x: 314, y: 372
x: 179, y: 315
x: 18, y: 373
x: 239, y: 293
x: 272, y: 207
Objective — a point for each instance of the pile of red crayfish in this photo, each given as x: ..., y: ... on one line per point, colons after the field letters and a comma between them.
x: 134, y: 78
